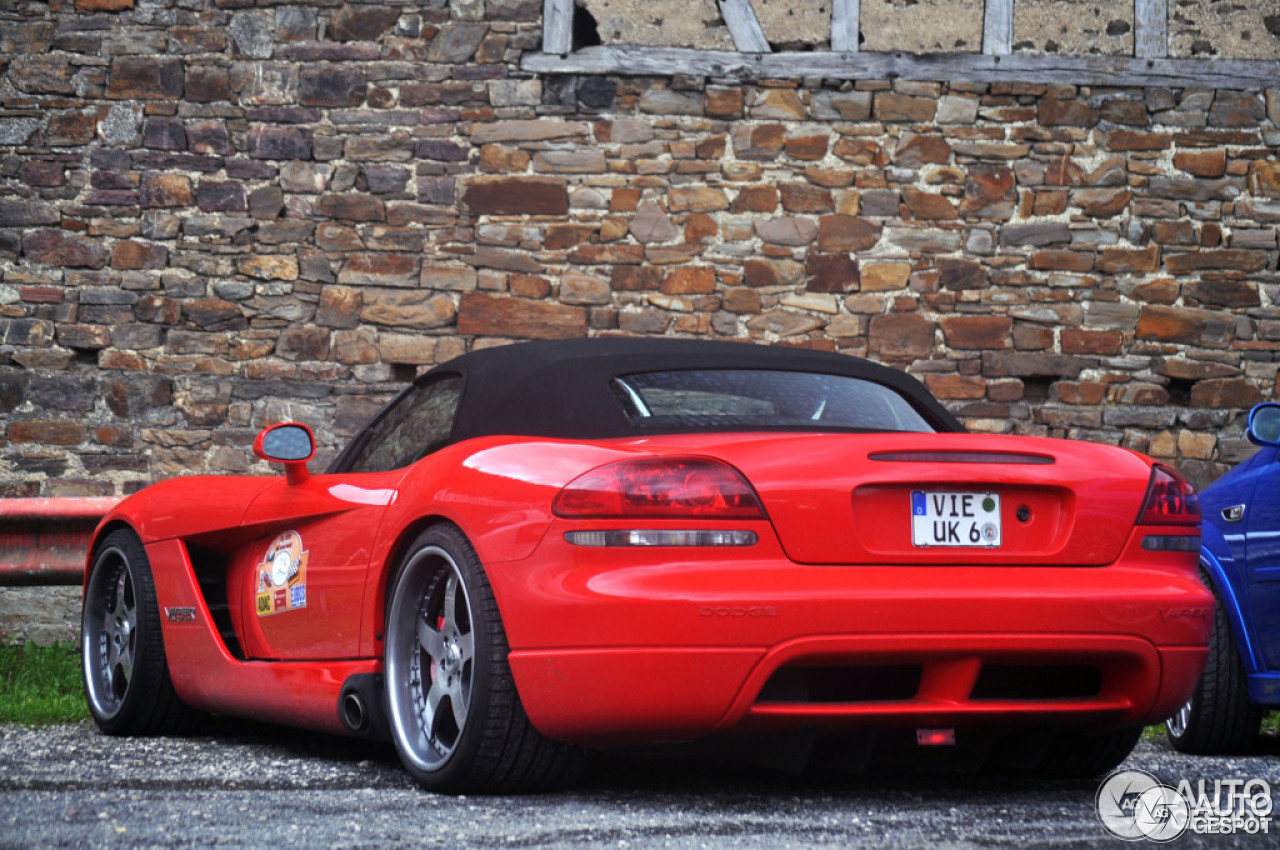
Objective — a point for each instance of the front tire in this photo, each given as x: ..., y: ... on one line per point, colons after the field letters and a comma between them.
x: 455, y: 716
x: 1218, y: 718
x: 126, y: 674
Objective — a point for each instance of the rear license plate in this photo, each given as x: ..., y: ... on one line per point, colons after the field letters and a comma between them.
x: 955, y: 518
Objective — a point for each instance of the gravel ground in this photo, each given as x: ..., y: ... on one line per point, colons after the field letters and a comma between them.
x: 252, y: 786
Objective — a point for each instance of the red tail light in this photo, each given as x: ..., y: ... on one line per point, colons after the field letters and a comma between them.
x: 1171, y: 500
x: 660, y: 487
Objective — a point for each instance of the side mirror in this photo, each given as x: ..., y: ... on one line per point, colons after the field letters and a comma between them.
x: 291, y: 444
x: 1264, y: 424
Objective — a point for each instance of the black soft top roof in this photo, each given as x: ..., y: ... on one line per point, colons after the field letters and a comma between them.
x: 561, y: 388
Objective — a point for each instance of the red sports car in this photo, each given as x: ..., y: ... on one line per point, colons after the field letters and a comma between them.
x: 549, y: 546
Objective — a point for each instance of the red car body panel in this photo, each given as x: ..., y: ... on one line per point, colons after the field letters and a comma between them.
x: 616, y: 645
x: 1148, y: 644
x: 207, y: 677
x: 643, y: 643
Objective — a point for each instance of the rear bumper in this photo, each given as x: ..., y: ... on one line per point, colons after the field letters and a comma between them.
x: 602, y: 696
x: 619, y: 646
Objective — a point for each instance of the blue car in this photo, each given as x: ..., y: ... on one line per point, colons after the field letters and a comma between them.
x: 1240, y: 562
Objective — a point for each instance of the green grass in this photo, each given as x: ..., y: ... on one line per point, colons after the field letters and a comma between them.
x: 1154, y: 733
x: 40, y: 685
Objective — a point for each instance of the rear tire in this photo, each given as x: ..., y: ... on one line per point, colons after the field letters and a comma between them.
x: 454, y: 713
x: 1078, y: 755
x: 126, y: 674
x: 1218, y: 718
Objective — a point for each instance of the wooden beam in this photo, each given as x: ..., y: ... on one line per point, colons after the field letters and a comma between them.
x: 557, y: 26
x: 997, y: 28
x: 845, y: 16
x: 969, y: 67
x: 1151, y: 29
x: 744, y: 26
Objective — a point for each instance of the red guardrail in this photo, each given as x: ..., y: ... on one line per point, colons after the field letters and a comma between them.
x: 45, y: 541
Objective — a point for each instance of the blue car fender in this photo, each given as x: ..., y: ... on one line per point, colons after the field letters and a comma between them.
x: 1225, y: 580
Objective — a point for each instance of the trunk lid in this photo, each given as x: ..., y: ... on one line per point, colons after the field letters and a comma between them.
x: 855, y: 498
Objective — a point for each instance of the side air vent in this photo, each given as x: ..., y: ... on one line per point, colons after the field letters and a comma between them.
x: 211, y: 574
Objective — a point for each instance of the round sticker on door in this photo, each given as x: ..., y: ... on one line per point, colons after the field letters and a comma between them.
x: 282, y: 575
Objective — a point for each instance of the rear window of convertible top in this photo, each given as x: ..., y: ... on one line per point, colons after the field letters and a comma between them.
x: 752, y: 399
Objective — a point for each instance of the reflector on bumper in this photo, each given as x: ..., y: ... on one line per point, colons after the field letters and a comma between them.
x: 936, y: 737
x: 1171, y: 543
x: 662, y: 537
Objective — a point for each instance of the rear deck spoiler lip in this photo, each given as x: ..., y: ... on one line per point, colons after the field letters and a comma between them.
x: 952, y: 456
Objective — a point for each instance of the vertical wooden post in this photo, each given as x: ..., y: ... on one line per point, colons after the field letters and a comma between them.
x: 997, y: 28
x: 557, y: 26
x: 844, y: 25
x: 1151, y: 29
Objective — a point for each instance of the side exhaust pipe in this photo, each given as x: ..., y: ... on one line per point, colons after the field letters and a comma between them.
x: 360, y: 707
x: 354, y: 716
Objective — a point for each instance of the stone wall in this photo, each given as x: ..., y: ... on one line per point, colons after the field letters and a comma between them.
x: 42, y: 615
x: 216, y: 214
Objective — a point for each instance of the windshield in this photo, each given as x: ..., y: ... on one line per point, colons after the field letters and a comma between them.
x: 750, y: 399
